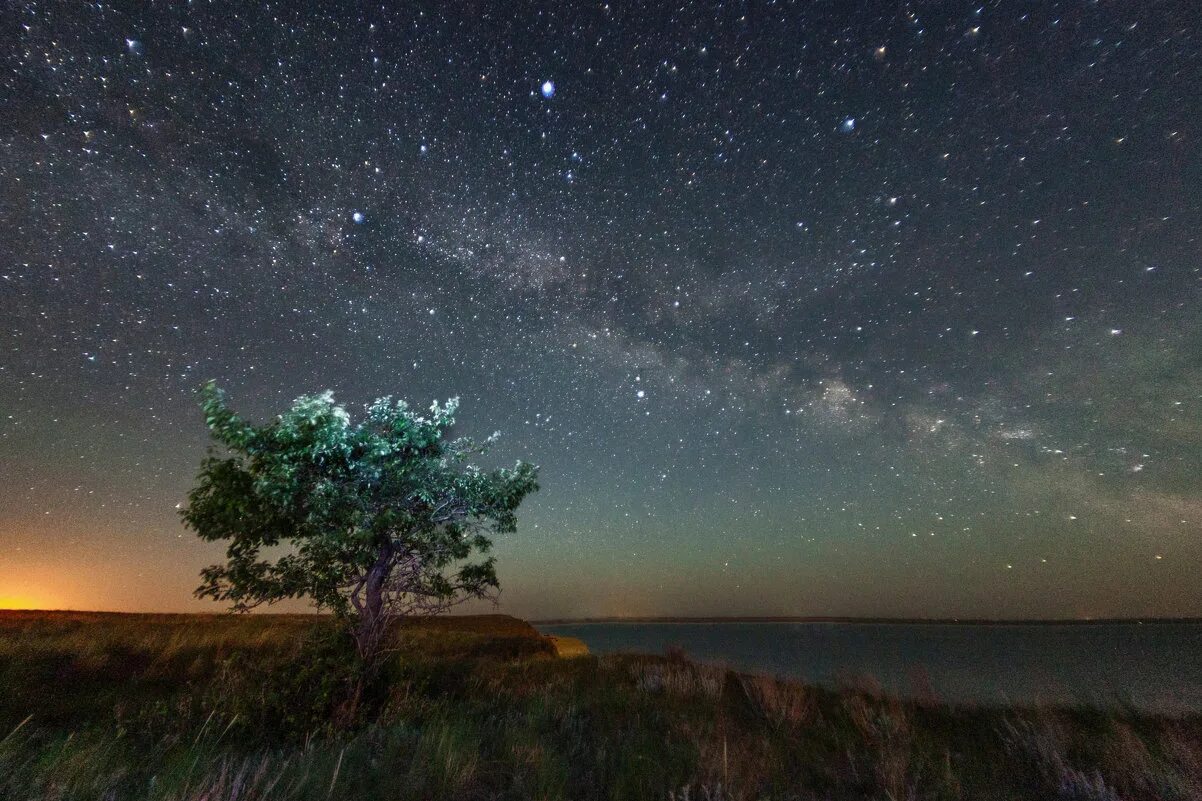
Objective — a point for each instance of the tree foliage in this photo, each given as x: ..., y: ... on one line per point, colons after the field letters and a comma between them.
x: 371, y: 520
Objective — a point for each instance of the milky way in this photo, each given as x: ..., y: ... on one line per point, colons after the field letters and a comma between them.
x: 802, y: 308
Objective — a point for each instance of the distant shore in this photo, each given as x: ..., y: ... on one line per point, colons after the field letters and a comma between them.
x: 13, y: 614
x: 906, y: 621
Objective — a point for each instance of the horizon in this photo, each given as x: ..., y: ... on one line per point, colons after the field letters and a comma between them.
x: 802, y: 312
x: 668, y: 619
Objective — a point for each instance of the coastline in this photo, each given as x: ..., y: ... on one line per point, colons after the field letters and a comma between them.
x: 875, y: 621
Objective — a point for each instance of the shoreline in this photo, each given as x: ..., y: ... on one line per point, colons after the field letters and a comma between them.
x: 13, y: 614
x: 874, y: 621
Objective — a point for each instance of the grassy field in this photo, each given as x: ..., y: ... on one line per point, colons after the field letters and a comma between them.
x: 215, y: 708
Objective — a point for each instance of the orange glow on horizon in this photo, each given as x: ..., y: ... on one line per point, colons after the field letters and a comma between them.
x: 24, y: 602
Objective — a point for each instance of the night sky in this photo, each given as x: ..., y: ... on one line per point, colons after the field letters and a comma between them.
x: 830, y: 308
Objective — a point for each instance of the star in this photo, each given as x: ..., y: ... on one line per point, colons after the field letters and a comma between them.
x: 836, y: 219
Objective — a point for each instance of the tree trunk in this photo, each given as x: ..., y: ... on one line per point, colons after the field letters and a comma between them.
x: 369, y: 623
x: 370, y: 631
x: 373, y: 624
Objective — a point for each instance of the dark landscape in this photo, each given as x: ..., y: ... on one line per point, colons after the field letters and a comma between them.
x: 192, y: 707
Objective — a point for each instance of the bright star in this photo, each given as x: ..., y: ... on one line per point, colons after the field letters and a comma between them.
x: 548, y: 89
x: 358, y: 217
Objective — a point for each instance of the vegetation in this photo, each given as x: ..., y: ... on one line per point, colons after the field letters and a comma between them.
x: 219, y: 708
x: 378, y: 518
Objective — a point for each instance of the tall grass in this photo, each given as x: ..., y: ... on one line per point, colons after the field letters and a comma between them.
x: 182, y: 708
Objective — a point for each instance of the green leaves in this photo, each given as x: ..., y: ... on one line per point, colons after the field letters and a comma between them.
x: 374, y: 518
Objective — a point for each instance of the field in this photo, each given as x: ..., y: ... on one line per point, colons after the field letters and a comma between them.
x: 216, y: 708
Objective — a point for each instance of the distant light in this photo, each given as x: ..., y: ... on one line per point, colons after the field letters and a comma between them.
x: 548, y: 89
x: 358, y: 217
x: 133, y: 46
x: 640, y: 394
x: 23, y: 602
x: 848, y: 125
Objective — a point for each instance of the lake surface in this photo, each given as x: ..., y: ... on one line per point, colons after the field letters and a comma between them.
x: 1153, y: 666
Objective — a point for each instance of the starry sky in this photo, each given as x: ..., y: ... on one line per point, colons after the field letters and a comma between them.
x: 813, y: 308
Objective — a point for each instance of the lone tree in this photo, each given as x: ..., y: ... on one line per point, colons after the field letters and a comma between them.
x: 372, y: 520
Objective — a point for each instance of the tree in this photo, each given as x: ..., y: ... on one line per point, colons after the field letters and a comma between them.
x: 371, y: 520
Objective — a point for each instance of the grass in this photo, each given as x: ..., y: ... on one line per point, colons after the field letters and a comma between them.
x: 216, y: 708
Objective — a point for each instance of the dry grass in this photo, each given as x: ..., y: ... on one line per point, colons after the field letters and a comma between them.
x: 1121, y: 759
x: 779, y: 702
x: 568, y: 647
x: 189, y: 708
x: 885, y: 725
x: 679, y: 678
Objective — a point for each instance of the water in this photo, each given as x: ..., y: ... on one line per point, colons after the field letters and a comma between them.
x: 1152, y: 666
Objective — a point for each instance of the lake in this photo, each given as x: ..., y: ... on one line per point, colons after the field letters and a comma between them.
x: 1153, y: 666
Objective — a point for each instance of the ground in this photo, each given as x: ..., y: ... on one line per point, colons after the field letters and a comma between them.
x: 220, y: 708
